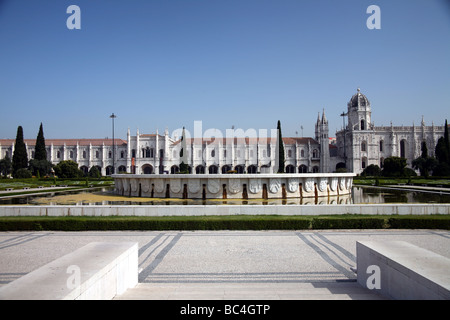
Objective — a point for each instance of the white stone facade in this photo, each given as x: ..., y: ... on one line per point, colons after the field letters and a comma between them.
x: 159, y: 154
x: 361, y: 143
x: 86, y: 152
x: 358, y: 145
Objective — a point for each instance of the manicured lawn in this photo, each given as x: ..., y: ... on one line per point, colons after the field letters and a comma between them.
x: 35, y: 183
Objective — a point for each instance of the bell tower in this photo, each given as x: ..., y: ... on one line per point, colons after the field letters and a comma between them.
x: 359, y: 112
x: 324, y: 141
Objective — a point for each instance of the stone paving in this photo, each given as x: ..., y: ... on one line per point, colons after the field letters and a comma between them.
x: 224, y: 264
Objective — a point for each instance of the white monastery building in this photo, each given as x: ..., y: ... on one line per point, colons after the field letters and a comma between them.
x: 359, y: 144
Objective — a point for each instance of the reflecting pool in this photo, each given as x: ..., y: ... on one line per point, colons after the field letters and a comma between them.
x: 106, y: 196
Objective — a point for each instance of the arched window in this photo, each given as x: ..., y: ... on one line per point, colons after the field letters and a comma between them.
x: 290, y: 168
x: 110, y: 154
x: 302, y: 153
x: 289, y: 153
x: 226, y: 168
x: 363, y: 125
x: 363, y: 162
x: 403, y: 149
x: 213, y: 153
x: 239, y: 169
x: 315, y: 153
x: 252, y: 169
x: 200, y: 169
x: 96, y: 154
x: 302, y: 169
x: 122, y: 154
x: 213, y: 169
x: 84, y: 154
x: 363, y: 146
x: 381, y: 145
x: 71, y: 154
x: 147, y: 169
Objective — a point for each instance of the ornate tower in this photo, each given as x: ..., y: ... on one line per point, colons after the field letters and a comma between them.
x: 359, y: 113
x: 324, y: 141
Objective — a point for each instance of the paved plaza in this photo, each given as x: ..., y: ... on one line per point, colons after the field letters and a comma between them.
x: 224, y: 264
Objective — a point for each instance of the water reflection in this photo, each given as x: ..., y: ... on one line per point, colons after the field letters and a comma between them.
x: 106, y: 196
x: 391, y: 195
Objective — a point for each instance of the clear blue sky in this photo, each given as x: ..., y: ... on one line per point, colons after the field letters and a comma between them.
x: 247, y: 63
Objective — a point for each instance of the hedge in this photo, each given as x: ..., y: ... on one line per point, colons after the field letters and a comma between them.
x: 224, y: 223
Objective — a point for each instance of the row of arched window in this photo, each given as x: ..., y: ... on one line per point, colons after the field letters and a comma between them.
x: 238, y: 153
x: 84, y: 154
x: 240, y: 169
x: 381, y: 147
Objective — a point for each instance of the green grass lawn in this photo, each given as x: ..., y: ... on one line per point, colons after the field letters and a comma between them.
x: 445, y: 182
x: 19, y: 184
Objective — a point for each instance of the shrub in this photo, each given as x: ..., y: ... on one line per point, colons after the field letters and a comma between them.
x: 22, y: 174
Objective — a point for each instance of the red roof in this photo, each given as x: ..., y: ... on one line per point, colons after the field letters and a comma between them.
x: 68, y: 142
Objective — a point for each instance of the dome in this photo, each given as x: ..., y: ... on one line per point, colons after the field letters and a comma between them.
x: 358, y: 100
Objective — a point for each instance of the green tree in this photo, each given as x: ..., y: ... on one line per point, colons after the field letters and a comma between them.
x: 447, y: 142
x: 5, y: 166
x: 442, y: 155
x: 20, y: 157
x: 68, y: 169
x: 40, y: 153
x: 23, y: 173
x: 94, y: 172
x: 372, y: 170
x: 40, y: 168
x: 394, y: 167
x: 424, y: 163
x: 281, y: 159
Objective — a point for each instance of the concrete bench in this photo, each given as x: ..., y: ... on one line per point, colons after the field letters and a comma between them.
x: 405, y: 271
x: 97, y: 271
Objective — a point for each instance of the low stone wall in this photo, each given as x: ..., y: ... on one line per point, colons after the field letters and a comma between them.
x: 97, y: 271
x: 234, y: 186
x: 199, y: 210
x: 400, y: 270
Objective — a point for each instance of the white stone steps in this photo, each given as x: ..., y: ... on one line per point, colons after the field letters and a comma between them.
x: 249, y: 291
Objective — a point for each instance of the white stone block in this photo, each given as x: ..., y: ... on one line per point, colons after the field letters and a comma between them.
x: 99, y: 270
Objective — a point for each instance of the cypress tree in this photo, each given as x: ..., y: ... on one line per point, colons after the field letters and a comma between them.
x: 447, y: 143
x: 20, y: 157
x: 39, y: 151
x: 280, y: 149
